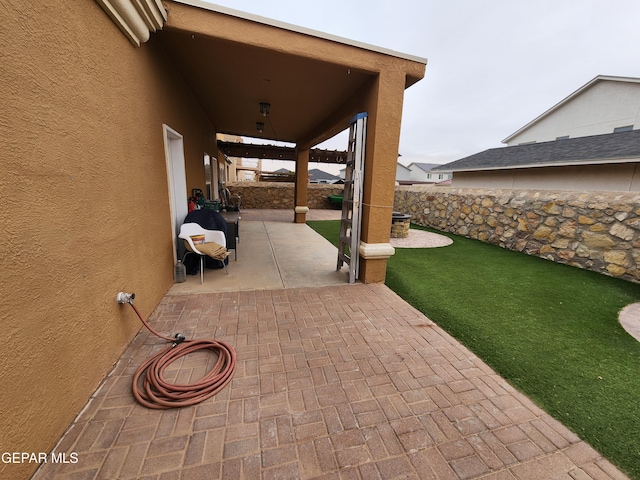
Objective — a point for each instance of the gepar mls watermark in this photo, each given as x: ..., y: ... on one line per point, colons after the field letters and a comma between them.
x: 38, y: 457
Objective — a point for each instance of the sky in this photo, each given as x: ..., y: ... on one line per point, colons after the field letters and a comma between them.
x: 493, y: 65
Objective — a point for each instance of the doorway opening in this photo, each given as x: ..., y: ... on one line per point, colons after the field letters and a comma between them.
x: 176, y: 182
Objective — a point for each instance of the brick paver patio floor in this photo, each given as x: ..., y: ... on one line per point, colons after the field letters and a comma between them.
x: 344, y: 382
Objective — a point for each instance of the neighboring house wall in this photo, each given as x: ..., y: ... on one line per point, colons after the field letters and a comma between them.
x: 624, y: 177
x: 438, y: 176
x: 85, y: 207
x: 417, y: 174
x: 230, y: 164
x: 598, y: 110
x: 402, y: 173
x: 423, y: 173
x: 599, y: 231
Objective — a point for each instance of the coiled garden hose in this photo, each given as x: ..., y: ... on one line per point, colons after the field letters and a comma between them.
x: 152, y: 391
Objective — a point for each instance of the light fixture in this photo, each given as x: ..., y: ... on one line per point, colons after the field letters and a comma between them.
x: 264, y: 108
x: 260, y: 126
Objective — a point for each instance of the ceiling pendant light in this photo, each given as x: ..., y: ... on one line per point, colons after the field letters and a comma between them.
x: 265, y: 108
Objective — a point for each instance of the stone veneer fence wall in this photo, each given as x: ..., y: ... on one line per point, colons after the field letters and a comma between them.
x: 280, y: 194
x: 598, y: 231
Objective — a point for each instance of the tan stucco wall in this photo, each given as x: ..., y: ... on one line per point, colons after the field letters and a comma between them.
x: 384, y: 106
x: 85, y: 207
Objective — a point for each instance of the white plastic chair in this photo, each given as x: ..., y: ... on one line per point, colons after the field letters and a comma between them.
x: 217, y: 236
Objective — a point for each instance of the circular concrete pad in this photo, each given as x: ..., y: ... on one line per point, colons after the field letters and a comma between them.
x: 421, y: 239
x: 629, y: 318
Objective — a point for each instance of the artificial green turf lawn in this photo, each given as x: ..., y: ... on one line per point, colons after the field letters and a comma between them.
x: 551, y: 330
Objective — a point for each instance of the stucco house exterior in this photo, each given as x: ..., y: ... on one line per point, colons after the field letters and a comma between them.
x: 426, y: 173
x: 588, y: 141
x: 234, y: 169
x: 403, y: 173
x: 605, y: 104
x: 597, y: 163
x: 109, y: 110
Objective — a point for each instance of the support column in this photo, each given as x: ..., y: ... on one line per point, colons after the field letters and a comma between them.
x: 381, y: 158
x: 301, y: 185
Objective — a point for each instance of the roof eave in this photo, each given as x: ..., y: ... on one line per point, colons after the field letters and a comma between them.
x: 305, y: 31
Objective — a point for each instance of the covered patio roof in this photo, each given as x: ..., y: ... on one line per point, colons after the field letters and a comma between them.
x: 231, y: 61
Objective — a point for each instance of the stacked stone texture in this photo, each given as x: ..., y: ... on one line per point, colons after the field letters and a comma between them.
x: 598, y: 231
x: 281, y: 195
x: 400, y: 228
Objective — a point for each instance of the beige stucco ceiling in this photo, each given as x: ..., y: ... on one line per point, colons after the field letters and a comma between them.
x: 230, y: 80
x: 232, y: 61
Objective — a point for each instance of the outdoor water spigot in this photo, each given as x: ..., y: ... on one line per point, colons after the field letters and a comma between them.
x: 123, y: 297
x: 179, y: 339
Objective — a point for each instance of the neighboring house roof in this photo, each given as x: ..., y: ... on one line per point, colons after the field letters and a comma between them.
x: 317, y: 174
x: 557, y: 106
x: 597, y: 149
x: 427, y: 167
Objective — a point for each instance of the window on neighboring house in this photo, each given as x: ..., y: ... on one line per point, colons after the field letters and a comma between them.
x: 428, y: 175
x: 564, y: 137
x: 626, y: 128
x: 440, y: 177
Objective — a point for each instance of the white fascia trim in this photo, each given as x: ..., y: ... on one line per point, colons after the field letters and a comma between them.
x: 135, y: 18
x: 295, y: 28
x: 376, y: 251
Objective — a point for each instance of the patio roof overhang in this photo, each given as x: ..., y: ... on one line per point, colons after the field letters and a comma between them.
x: 276, y: 152
x: 231, y: 61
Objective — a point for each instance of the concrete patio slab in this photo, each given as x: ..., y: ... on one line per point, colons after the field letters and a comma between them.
x: 272, y: 254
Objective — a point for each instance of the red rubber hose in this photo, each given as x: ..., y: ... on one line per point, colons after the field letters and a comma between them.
x: 152, y: 391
